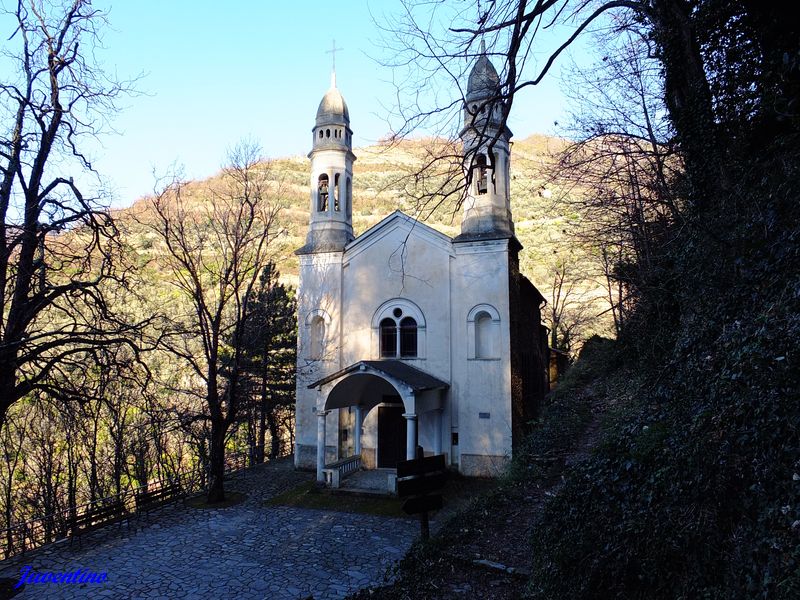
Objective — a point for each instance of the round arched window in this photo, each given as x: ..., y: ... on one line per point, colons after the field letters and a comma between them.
x: 388, y: 338
x: 399, y: 330
x: 317, y: 338
x: 398, y: 336
x: 483, y: 335
x: 408, y: 338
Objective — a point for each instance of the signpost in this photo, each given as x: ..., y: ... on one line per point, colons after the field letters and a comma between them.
x: 416, y: 478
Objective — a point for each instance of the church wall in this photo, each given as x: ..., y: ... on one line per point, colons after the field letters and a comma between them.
x: 369, y: 439
x: 398, y: 266
x: 426, y: 423
x: 320, y: 279
x: 413, y: 267
x: 481, y: 387
x: 529, y: 355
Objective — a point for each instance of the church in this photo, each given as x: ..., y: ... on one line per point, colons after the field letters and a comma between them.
x: 406, y: 336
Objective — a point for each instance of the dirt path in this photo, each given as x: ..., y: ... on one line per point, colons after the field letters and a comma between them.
x: 483, y: 553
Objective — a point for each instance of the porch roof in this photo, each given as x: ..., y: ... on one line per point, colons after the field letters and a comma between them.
x: 417, y: 379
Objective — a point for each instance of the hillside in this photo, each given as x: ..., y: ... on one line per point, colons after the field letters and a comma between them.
x: 380, y: 173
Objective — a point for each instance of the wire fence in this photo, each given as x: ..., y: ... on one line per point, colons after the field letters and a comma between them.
x: 33, y: 533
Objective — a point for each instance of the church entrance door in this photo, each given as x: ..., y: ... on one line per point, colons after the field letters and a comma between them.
x: 391, y: 436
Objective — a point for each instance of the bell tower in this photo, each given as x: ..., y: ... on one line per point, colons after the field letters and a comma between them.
x: 331, y: 224
x: 487, y: 206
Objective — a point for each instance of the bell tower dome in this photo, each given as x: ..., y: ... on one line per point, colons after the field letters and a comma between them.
x: 486, y: 149
x: 331, y: 223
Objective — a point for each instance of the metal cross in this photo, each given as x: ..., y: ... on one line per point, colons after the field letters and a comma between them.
x: 333, y: 51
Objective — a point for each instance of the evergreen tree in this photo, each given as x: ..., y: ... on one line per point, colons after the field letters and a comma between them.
x: 270, y: 354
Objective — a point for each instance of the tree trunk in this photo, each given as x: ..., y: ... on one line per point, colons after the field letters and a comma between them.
x: 262, y: 429
x: 689, y: 101
x: 216, y: 491
x: 8, y: 373
x: 275, y: 440
x: 263, y: 408
x: 72, y: 471
x: 94, y: 481
x: 9, y: 514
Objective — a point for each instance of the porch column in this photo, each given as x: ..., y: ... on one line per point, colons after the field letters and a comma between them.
x: 411, y: 435
x: 437, y: 431
x: 321, y: 443
x: 357, y: 432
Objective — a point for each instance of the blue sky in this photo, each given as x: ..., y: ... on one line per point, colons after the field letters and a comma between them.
x: 213, y: 73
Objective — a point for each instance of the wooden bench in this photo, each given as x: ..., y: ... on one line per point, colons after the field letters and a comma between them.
x: 98, y: 516
x: 148, y: 500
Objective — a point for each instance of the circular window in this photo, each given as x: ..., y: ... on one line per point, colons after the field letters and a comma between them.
x: 397, y: 313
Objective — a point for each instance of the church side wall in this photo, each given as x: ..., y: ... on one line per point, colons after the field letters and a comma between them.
x: 530, y: 370
x: 481, y: 386
x: 318, y: 295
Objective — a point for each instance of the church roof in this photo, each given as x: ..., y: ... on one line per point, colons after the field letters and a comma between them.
x: 417, y: 379
x: 488, y: 236
x: 398, y: 219
x: 484, y: 82
x: 332, y: 108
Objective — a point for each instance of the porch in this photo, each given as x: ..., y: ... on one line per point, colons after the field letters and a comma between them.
x: 384, y: 403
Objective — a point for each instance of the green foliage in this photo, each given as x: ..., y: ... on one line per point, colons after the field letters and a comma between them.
x: 269, y: 357
x: 694, y: 491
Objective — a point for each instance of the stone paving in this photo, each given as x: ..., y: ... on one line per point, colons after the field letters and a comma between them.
x: 246, y: 551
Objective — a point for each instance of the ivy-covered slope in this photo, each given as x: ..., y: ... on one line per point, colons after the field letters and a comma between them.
x: 694, y: 491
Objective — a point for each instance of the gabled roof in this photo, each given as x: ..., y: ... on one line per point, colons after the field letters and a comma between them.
x: 392, y: 222
x: 417, y: 379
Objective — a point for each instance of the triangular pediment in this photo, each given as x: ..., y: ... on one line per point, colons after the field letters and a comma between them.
x: 398, y: 220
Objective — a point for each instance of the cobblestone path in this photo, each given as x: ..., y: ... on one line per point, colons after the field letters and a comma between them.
x: 246, y: 551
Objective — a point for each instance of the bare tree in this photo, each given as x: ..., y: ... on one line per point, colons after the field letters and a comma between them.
x: 216, y: 242
x: 12, y: 439
x: 570, y: 308
x: 58, y: 246
x: 432, y: 46
x: 620, y: 175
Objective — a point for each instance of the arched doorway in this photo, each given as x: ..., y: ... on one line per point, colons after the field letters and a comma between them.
x: 392, y: 433
x: 365, y: 396
x: 384, y: 399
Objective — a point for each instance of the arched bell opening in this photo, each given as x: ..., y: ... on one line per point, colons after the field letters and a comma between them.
x: 322, y: 193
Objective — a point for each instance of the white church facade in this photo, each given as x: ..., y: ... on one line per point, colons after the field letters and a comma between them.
x: 406, y: 336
